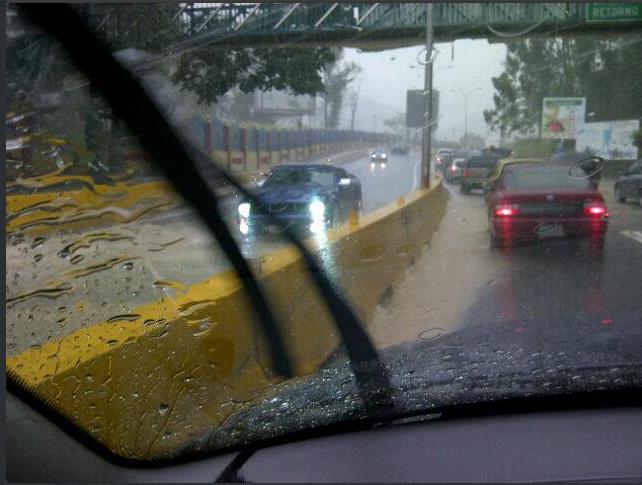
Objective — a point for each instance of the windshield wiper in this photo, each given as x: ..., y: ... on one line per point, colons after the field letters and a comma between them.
x: 130, y: 100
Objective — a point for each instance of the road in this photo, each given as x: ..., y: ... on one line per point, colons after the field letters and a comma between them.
x: 67, y: 281
x: 458, y: 281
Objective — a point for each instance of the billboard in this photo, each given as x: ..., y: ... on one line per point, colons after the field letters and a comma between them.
x: 609, y: 139
x: 563, y: 118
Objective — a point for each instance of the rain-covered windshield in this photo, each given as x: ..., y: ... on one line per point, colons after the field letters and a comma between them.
x: 157, y: 305
x: 541, y: 176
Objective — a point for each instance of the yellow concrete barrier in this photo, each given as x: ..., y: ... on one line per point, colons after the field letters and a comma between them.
x: 148, y: 387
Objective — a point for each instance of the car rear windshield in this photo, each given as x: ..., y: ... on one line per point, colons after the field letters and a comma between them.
x: 545, y: 176
x: 482, y: 162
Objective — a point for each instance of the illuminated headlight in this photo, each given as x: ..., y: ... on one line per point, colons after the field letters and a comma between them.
x: 244, y: 209
x: 373, y: 165
x: 244, y: 228
x: 384, y: 156
x: 317, y: 209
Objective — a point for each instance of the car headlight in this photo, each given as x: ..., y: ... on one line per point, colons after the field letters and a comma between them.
x: 384, y: 156
x: 244, y: 209
x: 317, y: 209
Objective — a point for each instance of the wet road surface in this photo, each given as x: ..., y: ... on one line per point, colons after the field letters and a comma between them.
x: 66, y: 281
x: 550, y: 289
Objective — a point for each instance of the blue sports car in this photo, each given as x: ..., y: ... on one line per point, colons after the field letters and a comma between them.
x: 309, y: 198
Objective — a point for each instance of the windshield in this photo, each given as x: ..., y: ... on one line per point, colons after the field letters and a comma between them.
x: 541, y: 176
x: 295, y: 176
x: 168, y: 301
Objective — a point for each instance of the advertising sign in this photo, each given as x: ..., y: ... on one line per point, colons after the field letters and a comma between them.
x: 610, y: 140
x: 563, y: 118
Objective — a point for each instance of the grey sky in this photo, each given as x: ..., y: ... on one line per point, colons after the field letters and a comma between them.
x: 386, y: 76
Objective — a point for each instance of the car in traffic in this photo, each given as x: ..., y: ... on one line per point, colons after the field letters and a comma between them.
x: 379, y: 154
x: 629, y: 184
x: 442, y: 159
x: 478, y: 172
x: 401, y: 149
x: 307, y: 198
x: 532, y: 201
x: 455, y: 170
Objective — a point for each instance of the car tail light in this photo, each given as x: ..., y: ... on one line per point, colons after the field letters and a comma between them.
x: 506, y: 210
x: 452, y: 169
x: 595, y: 208
x: 438, y: 160
x: 466, y: 173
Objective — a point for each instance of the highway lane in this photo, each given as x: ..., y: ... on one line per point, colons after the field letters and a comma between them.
x: 67, y: 281
x: 548, y: 291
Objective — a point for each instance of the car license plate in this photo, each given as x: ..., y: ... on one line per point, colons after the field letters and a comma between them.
x: 274, y: 229
x: 547, y: 230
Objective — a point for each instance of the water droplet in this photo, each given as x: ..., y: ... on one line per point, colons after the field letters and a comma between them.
x: 37, y: 258
x: 163, y: 408
x: 128, y: 317
x: 38, y: 242
x: 430, y: 334
x: 112, y: 342
x: 128, y: 266
x: 77, y: 259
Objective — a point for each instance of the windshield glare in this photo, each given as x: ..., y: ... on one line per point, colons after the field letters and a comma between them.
x: 167, y: 317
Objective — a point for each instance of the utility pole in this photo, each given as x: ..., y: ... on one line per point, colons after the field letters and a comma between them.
x: 426, y: 145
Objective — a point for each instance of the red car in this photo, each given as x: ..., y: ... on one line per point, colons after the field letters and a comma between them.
x: 541, y: 201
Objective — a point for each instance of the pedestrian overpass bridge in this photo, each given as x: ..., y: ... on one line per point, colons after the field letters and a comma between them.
x: 388, y: 25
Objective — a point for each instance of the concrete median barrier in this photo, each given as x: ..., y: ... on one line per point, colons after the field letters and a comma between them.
x: 179, y: 367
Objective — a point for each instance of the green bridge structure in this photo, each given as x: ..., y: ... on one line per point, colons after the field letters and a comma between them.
x: 375, y: 26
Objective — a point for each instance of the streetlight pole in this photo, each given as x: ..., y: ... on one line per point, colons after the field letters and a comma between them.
x: 426, y: 145
x: 465, y: 94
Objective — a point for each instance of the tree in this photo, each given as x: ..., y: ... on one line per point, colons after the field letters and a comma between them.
x: 472, y: 141
x: 396, y: 124
x: 600, y: 69
x: 337, y: 77
x: 353, y: 102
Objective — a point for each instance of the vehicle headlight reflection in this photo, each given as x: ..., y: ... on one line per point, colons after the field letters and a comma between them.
x: 317, y: 209
x: 244, y: 209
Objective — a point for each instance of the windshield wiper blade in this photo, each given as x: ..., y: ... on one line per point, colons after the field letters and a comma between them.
x: 130, y: 100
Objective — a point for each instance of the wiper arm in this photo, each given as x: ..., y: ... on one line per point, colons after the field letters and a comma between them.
x: 129, y: 99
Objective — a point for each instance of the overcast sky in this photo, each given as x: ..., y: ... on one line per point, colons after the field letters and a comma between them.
x: 387, y: 75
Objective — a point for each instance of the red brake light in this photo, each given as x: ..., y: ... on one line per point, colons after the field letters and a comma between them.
x: 466, y: 173
x: 506, y: 210
x: 595, y: 209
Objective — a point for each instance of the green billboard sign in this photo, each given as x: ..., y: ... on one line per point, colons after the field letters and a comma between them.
x: 613, y: 12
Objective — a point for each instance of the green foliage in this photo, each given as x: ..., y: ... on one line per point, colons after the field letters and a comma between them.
x: 336, y: 78
x: 396, y: 124
x: 600, y: 69
x: 210, y: 73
